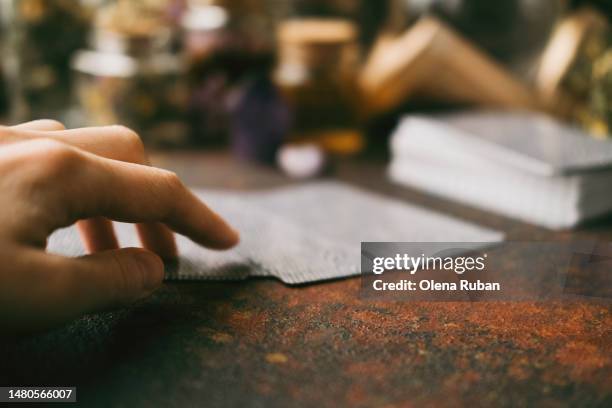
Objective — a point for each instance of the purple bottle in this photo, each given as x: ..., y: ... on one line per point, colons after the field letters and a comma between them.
x: 260, y: 120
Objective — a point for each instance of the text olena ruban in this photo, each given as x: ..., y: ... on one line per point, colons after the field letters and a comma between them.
x: 412, y: 264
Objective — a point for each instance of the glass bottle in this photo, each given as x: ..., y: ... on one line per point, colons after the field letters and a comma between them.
x: 316, y: 72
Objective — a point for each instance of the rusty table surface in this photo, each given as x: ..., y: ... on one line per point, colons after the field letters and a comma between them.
x: 259, y: 343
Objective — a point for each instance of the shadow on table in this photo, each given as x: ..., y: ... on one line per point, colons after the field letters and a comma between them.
x: 154, y: 333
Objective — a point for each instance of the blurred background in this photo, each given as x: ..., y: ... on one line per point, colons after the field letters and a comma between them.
x: 296, y: 83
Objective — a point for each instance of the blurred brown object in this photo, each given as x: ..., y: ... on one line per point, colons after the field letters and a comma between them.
x: 562, y: 51
x: 316, y: 72
x: 431, y: 60
x: 513, y: 32
x: 135, y: 18
x: 575, y: 73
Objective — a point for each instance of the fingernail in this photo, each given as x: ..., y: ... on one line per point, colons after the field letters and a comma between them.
x: 152, y: 269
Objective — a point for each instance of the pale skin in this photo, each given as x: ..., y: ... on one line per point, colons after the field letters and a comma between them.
x: 50, y: 178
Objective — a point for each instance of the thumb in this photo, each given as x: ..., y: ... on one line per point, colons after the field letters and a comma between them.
x: 48, y: 289
x: 114, y: 278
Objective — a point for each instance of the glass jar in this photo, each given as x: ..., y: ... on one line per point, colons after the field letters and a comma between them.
x: 316, y: 73
x: 130, y: 76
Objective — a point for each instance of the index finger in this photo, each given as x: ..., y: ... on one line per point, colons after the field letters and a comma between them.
x: 78, y: 185
x: 136, y: 193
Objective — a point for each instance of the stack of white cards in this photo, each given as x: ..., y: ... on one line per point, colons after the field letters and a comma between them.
x: 300, y: 234
x: 522, y: 165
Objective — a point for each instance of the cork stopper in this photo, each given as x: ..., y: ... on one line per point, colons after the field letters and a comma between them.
x: 317, y: 31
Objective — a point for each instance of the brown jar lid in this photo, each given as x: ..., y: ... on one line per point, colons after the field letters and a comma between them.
x: 316, y: 31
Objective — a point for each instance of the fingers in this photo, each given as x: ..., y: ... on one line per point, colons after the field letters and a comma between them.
x: 51, y: 289
x: 111, y: 278
x: 113, y: 142
x: 134, y: 193
x: 118, y: 143
x: 77, y: 185
x: 158, y: 238
x: 98, y: 234
x: 41, y: 125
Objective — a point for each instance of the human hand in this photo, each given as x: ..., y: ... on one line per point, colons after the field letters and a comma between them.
x: 50, y: 178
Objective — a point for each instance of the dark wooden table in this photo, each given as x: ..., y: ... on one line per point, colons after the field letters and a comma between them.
x: 259, y: 343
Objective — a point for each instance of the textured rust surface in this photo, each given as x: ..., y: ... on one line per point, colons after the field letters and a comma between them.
x: 261, y: 343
